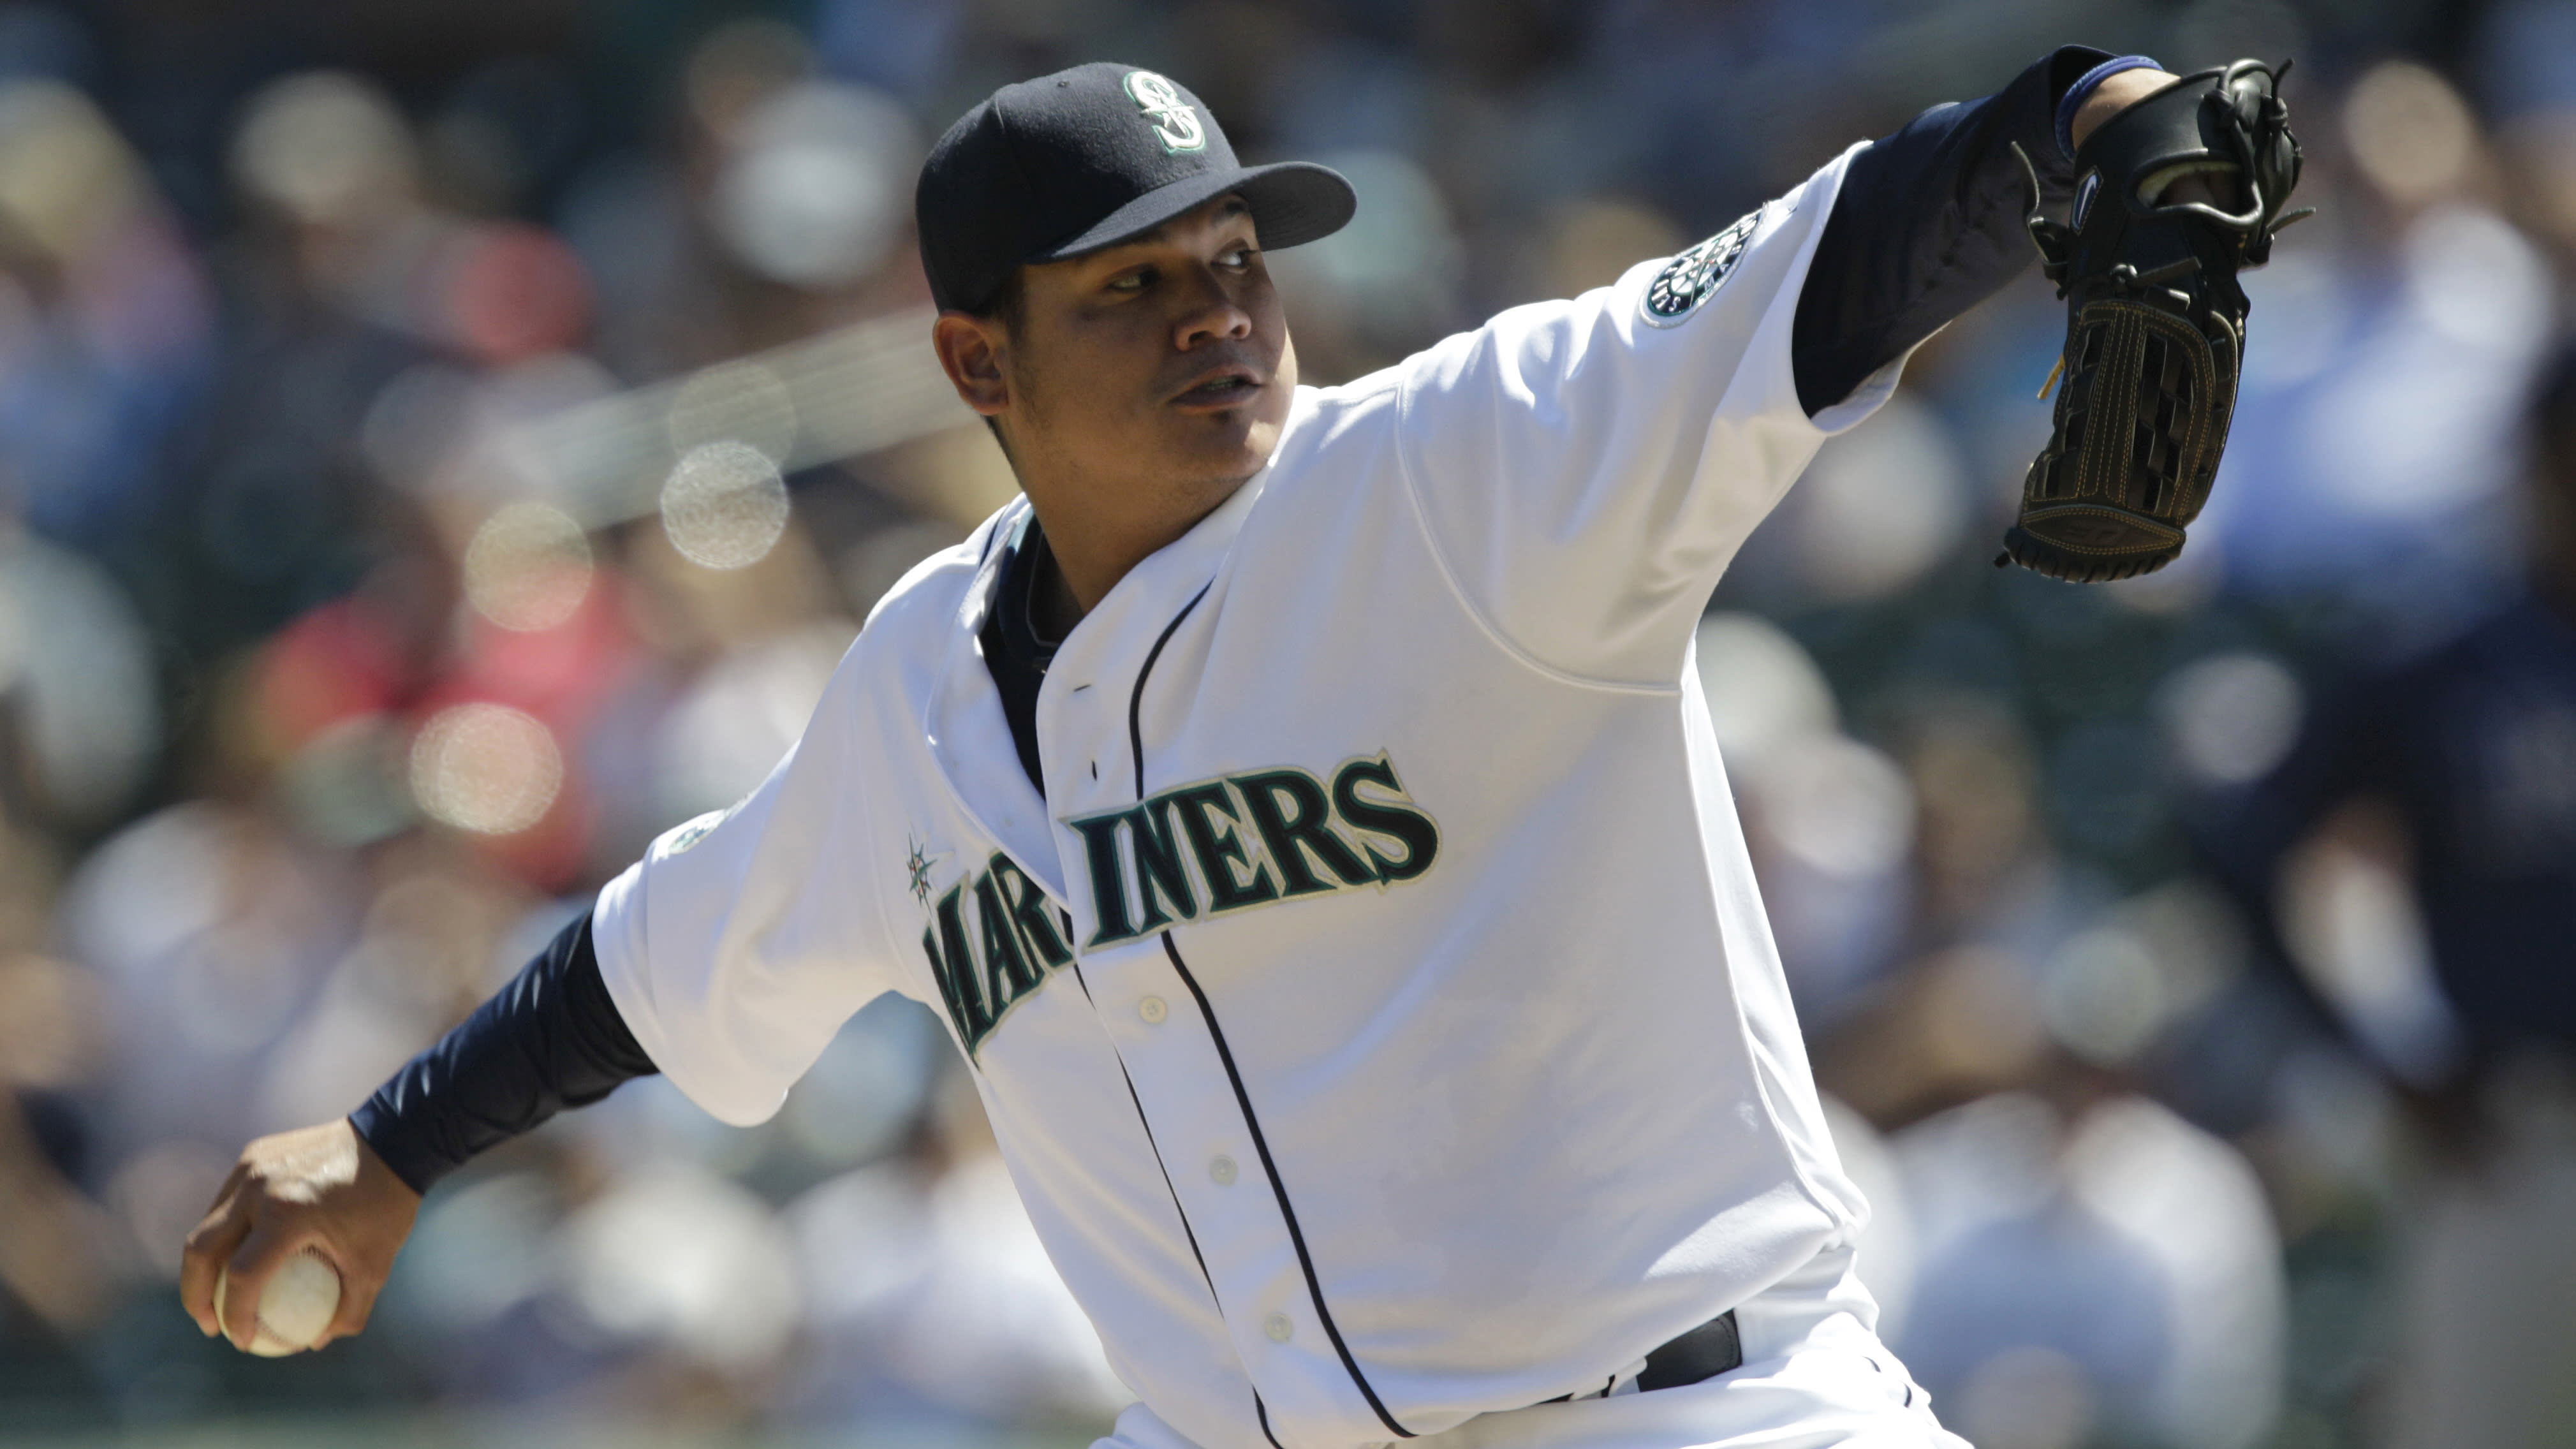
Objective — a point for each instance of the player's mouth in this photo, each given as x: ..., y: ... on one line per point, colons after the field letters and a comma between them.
x: 1226, y: 387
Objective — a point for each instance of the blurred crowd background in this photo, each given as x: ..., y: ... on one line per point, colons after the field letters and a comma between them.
x: 443, y: 444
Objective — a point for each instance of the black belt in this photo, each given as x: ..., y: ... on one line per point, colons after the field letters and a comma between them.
x: 1704, y: 1352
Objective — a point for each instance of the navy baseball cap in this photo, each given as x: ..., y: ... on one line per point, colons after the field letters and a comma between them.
x: 1086, y: 158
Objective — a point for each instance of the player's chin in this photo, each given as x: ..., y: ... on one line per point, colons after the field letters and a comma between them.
x: 1222, y: 443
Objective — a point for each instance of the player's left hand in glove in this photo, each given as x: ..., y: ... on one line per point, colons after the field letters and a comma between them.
x: 2155, y: 326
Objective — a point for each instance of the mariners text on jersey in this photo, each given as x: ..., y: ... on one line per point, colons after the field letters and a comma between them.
x: 1306, y: 837
x: 1210, y: 848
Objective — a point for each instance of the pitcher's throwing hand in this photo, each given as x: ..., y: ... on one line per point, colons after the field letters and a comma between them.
x: 318, y: 1188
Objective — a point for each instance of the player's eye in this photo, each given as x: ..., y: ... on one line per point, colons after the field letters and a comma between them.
x: 1131, y: 282
x: 1238, y: 258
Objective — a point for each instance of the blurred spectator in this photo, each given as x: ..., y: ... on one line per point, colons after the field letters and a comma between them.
x: 2470, y: 753
x: 2415, y: 857
x: 2105, y: 1277
x: 2371, y: 453
x: 104, y: 325
x: 61, y: 1257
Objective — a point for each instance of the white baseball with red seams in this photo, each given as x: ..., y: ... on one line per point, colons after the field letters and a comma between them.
x: 1378, y: 1015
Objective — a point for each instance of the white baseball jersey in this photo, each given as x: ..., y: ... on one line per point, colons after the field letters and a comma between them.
x: 1378, y: 1015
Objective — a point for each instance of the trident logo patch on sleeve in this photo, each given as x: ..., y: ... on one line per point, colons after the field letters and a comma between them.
x: 1695, y: 275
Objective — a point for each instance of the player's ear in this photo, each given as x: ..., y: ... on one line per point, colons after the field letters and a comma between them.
x: 970, y: 352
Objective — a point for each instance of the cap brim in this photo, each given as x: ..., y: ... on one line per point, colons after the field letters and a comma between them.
x: 1293, y: 202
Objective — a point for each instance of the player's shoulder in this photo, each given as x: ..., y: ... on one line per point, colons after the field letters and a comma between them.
x: 1379, y: 412
x: 1516, y: 351
x: 925, y: 601
x: 1382, y: 395
x: 1331, y: 419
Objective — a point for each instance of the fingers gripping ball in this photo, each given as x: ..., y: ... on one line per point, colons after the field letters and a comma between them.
x: 2155, y: 320
x: 295, y: 1305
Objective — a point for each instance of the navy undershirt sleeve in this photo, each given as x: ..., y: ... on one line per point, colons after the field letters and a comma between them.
x: 550, y: 1039
x: 1928, y: 224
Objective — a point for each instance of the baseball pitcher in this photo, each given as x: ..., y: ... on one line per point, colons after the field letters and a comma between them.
x: 1301, y: 805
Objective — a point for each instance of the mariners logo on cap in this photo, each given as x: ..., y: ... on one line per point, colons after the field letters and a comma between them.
x: 1176, y: 121
x: 1694, y: 276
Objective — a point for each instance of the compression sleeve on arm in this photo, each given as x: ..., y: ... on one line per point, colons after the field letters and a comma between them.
x: 1928, y: 224
x: 550, y: 1039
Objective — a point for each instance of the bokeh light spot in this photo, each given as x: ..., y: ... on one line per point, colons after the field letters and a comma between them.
x: 486, y: 768
x: 725, y: 505
x: 1881, y: 505
x: 528, y: 567
x: 324, y: 146
x: 2231, y: 717
x: 2104, y: 999
x: 1839, y: 806
x: 65, y: 175
x: 2410, y: 133
x: 814, y: 192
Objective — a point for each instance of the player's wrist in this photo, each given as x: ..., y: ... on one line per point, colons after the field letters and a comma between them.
x: 2103, y: 92
x: 375, y: 1174
x: 393, y: 1145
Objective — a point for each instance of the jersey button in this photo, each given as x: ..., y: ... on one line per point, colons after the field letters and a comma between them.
x: 1221, y: 1171
x: 1278, y: 1328
x: 1153, y: 1010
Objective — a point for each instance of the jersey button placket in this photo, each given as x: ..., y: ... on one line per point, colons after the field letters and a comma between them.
x: 1184, y: 1096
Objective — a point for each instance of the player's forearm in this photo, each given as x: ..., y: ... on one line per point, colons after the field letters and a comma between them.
x: 1928, y: 223
x: 551, y: 1039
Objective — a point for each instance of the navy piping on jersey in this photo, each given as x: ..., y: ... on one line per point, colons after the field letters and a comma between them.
x: 1278, y: 1189
x: 1234, y: 1076
x: 1136, y: 696
x: 1186, y: 1231
x: 1263, y: 1410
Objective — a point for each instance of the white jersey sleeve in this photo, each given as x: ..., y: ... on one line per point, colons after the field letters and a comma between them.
x: 1587, y: 468
x: 741, y: 942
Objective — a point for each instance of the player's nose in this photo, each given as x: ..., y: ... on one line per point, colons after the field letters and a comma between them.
x: 1209, y: 312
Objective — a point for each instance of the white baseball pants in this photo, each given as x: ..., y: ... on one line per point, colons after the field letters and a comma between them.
x: 1815, y: 1376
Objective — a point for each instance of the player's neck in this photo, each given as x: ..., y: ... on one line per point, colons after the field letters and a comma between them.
x: 1053, y: 609
x: 1095, y: 548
